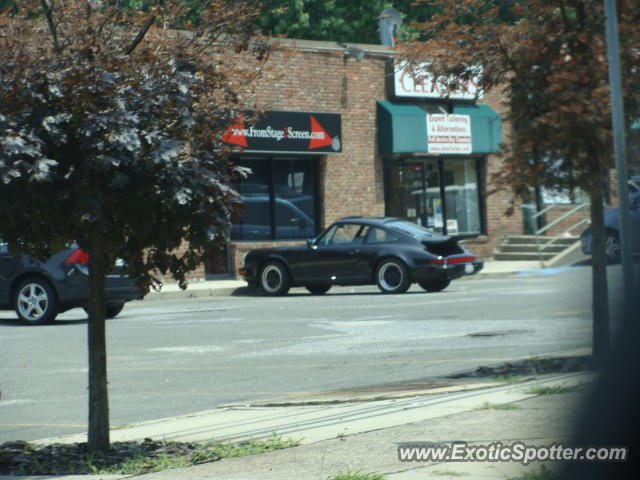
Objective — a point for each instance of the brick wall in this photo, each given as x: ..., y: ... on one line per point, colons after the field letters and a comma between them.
x: 318, y: 77
x: 327, y: 81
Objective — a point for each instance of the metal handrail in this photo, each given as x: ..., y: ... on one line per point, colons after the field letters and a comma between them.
x: 560, y: 218
x: 551, y: 241
x: 544, y: 210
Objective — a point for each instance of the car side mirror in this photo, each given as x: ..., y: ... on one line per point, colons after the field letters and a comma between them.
x: 311, y: 243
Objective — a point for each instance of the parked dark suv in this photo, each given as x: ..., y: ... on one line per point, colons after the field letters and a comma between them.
x: 38, y: 291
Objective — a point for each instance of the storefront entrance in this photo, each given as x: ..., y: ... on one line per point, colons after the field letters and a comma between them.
x: 440, y: 194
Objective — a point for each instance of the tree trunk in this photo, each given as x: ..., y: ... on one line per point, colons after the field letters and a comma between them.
x: 98, y: 395
x: 600, y: 287
x: 541, y: 221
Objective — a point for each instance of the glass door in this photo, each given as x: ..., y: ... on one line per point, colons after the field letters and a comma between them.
x: 439, y: 194
x: 415, y: 194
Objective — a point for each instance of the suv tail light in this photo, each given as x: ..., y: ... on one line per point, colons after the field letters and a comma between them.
x: 77, y: 256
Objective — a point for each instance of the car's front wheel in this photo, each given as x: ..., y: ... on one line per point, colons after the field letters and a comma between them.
x: 435, y: 285
x: 274, y: 279
x: 392, y: 276
x: 318, y: 289
x: 35, y: 302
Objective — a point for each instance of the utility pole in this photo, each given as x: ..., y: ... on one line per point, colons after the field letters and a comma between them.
x: 620, y: 152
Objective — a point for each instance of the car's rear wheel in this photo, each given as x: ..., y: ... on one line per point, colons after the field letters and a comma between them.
x: 612, y: 247
x: 435, y: 285
x: 35, y: 301
x: 392, y: 276
x: 274, y: 279
x: 318, y: 289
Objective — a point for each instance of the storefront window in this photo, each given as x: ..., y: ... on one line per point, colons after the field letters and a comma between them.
x: 295, y: 205
x: 415, y: 194
x: 278, y: 198
x: 461, y: 190
x: 435, y: 194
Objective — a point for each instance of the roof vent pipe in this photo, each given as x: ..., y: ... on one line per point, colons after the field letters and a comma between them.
x: 389, y: 23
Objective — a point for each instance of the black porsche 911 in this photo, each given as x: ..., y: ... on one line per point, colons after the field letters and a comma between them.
x: 388, y: 252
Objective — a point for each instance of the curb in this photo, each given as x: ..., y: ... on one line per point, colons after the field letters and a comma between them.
x: 195, y: 293
x: 245, y: 290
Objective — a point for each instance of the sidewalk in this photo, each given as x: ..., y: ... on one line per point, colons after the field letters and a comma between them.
x: 341, y: 433
x: 539, y: 420
x: 339, y: 437
x: 222, y: 288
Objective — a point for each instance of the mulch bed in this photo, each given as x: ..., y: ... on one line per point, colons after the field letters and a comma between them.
x: 534, y: 366
x: 23, y: 458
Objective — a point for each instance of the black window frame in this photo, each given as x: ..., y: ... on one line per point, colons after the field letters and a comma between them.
x: 271, y: 160
x: 408, y: 160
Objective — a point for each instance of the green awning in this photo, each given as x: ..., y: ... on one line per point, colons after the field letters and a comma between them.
x: 486, y: 127
x: 402, y: 128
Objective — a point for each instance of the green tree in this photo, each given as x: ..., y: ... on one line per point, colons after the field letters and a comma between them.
x: 549, y: 59
x: 353, y: 21
x: 110, y: 130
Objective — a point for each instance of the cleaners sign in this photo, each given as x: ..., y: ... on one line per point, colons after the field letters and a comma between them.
x: 420, y: 83
x: 277, y: 131
x: 448, y: 134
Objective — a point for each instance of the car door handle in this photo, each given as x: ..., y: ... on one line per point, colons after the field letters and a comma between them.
x: 355, y: 251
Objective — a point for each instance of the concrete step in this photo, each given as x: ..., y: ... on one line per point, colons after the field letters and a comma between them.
x: 520, y: 256
x: 526, y: 248
x: 535, y: 239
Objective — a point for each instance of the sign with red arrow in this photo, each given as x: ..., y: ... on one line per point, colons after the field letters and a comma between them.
x: 280, y: 131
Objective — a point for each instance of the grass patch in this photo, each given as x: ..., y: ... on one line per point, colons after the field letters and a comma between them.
x: 500, y: 406
x: 253, y: 447
x: 206, y: 452
x: 550, y: 390
x: 356, y: 475
x: 127, y: 458
x: 542, y: 474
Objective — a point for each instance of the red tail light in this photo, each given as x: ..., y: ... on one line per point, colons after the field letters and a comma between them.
x: 461, y: 259
x: 78, y: 256
x: 449, y: 261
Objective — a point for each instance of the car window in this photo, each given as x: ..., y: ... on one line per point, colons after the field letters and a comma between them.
x: 410, y: 228
x: 344, y: 233
x: 379, y: 235
x: 325, y: 239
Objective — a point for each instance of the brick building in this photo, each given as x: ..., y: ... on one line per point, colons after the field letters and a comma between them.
x: 345, y: 134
